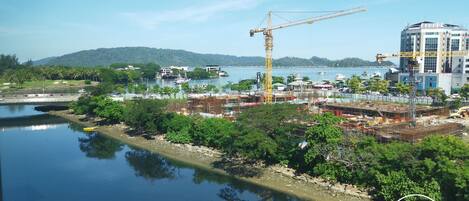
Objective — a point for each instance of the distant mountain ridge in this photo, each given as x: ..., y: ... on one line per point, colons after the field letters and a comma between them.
x: 167, y: 57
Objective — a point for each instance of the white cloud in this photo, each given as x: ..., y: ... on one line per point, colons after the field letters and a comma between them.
x: 198, y: 13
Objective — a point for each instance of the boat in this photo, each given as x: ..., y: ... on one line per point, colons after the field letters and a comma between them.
x: 222, y: 73
x: 376, y: 74
x: 339, y: 77
x: 89, y: 129
x: 182, y: 80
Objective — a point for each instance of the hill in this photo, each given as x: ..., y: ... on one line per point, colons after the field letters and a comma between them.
x: 166, y: 57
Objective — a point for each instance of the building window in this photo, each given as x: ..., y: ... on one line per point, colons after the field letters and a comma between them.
x: 454, y: 44
x: 467, y: 43
x: 431, y: 44
x: 430, y: 64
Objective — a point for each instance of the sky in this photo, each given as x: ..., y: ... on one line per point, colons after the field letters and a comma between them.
x: 35, y: 29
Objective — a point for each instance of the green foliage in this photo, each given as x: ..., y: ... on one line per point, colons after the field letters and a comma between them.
x: 243, y: 85
x: 175, y: 122
x: 145, y: 115
x: 213, y: 132
x: 323, y: 138
x: 8, y: 62
x: 438, y: 95
x: 85, y: 105
x: 278, y: 79
x: 290, y: 78
x: 403, y: 88
x: 180, y: 137
x: 464, y: 91
x: 255, y: 144
x: 397, y: 184
x: 200, y: 74
x: 355, y: 84
x: 110, y: 110
x: 378, y: 85
x: 167, y: 57
x: 277, y: 123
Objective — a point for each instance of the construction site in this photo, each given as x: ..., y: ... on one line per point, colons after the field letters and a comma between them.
x: 386, y: 120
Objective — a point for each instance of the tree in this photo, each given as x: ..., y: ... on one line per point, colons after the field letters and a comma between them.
x: 199, y: 74
x: 254, y: 144
x: 278, y: 79
x: 290, y: 78
x: 214, y: 132
x: 438, y: 95
x: 322, y: 138
x: 378, y: 85
x: 186, y: 88
x: 149, y: 70
x: 355, y: 84
x: 145, y: 115
x: 305, y: 78
x: 403, y: 88
x: 110, y: 110
x: 397, y: 184
x: 464, y: 91
x: 8, y: 62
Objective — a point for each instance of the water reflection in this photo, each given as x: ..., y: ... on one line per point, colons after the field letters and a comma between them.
x: 229, y: 194
x: 100, y: 147
x: 234, y: 187
x: 33, y: 122
x: 15, y: 108
x: 150, y: 166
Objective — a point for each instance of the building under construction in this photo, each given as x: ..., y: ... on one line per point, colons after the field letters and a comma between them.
x: 390, y: 121
x: 386, y: 110
x: 229, y: 104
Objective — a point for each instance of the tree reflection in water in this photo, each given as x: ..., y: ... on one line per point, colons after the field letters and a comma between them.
x: 149, y: 165
x: 100, y: 147
x: 234, y: 187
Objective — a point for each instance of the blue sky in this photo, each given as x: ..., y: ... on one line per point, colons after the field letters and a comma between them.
x: 34, y: 29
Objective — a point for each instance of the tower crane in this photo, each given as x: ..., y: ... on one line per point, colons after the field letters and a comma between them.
x: 267, y: 31
x: 415, y: 59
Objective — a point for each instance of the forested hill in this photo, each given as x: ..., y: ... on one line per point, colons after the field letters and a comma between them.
x: 166, y: 57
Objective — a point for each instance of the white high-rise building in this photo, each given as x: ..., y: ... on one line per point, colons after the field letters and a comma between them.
x: 435, y: 37
x: 440, y: 71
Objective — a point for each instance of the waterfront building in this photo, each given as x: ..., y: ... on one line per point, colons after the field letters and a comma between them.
x: 441, y: 70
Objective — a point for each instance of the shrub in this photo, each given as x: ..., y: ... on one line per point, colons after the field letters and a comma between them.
x: 181, y: 137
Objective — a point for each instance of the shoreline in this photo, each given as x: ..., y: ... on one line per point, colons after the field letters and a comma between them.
x: 275, y: 177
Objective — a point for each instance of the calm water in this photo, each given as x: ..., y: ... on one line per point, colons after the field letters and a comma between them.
x: 237, y: 73
x: 46, y: 158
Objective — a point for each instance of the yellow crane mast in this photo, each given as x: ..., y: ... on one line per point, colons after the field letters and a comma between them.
x: 267, y: 31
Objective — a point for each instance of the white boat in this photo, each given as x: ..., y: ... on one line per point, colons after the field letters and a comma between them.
x: 340, y: 77
x: 181, y: 80
x: 376, y: 74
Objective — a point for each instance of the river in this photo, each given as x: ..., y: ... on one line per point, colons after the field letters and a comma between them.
x: 46, y: 158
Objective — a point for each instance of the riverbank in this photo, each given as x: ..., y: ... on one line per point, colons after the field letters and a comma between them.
x: 274, y: 177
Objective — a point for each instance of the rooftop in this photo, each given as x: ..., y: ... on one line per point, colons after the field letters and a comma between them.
x: 428, y: 24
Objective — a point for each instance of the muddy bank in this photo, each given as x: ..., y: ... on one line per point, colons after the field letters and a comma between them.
x: 273, y: 177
